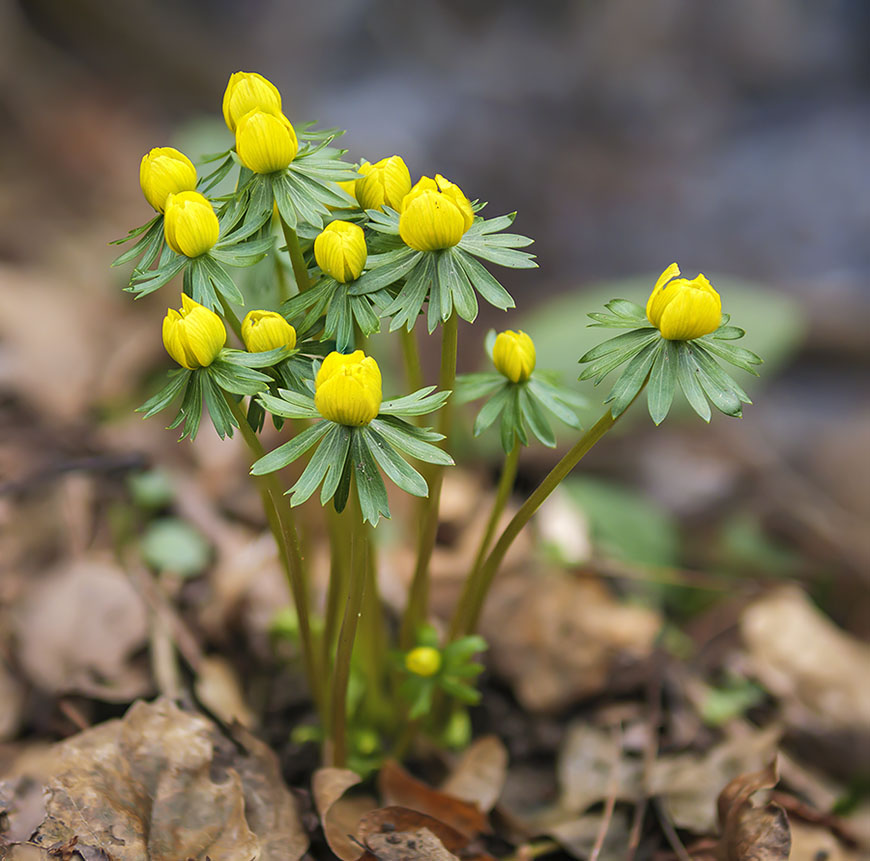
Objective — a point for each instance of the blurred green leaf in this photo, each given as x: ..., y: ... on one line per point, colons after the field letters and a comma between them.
x: 172, y: 545
x: 151, y: 489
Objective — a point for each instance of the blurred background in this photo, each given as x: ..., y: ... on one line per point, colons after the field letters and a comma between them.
x: 731, y: 137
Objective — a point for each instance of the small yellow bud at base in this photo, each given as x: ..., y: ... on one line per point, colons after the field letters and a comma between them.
x: 347, y: 389
x: 164, y: 171
x: 191, y: 227
x: 513, y: 355
x: 194, y: 335
x: 384, y: 183
x: 267, y: 330
x: 682, y: 309
x: 340, y: 250
x: 423, y: 661
x: 249, y: 91
x: 265, y: 142
x: 435, y: 214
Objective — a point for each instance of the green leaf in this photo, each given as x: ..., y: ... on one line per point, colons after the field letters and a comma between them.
x: 291, y: 405
x: 389, y: 273
x: 331, y: 450
x: 484, y: 282
x: 662, y: 382
x: 221, y: 280
x: 149, y: 244
x: 144, y: 282
x: 220, y: 413
x: 338, y: 464
x: 407, y: 305
x: 733, y: 354
x: 723, y: 397
x: 502, y: 256
x: 284, y: 202
x: 533, y: 414
x: 244, y: 253
x: 411, y: 440
x: 715, y: 371
x: 452, y: 278
x: 490, y: 411
x: 288, y: 452
x: 237, y: 379
x: 402, y: 474
x: 490, y: 225
x: 603, y: 366
x: 552, y: 399
x: 620, y: 344
x: 369, y: 485
x: 163, y: 398
x: 191, y: 408
x: 416, y: 404
x: 687, y: 375
x: 627, y: 310
x: 632, y: 378
x: 512, y: 427
x: 266, y: 359
x: 470, y: 387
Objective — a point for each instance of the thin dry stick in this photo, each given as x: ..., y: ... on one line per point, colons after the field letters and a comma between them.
x: 654, y: 712
x: 670, y: 832
x: 610, y: 802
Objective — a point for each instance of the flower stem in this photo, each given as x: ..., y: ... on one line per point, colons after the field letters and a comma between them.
x: 505, y: 486
x: 352, y: 611
x: 474, y: 594
x: 411, y: 356
x: 297, y: 261
x: 281, y: 522
x: 418, y: 595
x: 232, y: 319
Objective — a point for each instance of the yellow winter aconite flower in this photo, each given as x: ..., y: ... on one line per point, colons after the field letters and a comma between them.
x: 435, y: 214
x: 347, y: 389
x: 340, y: 250
x: 513, y: 355
x: 164, y: 171
x: 267, y: 330
x: 681, y: 309
x: 194, y: 335
x: 265, y: 142
x: 191, y: 228
x: 248, y: 91
x: 386, y: 182
x: 423, y: 661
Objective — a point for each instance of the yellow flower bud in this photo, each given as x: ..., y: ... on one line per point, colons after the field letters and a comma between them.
x: 423, y: 661
x: 340, y: 250
x: 347, y: 389
x: 681, y: 309
x: 267, y: 330
x: 513, y: 355
x: 194, y: 335
x: 265, y: 142
x: 164, y: 171
x: 191, y: 228
x: 249, y: 91
x: 386, y: 182
x: 434, y: 214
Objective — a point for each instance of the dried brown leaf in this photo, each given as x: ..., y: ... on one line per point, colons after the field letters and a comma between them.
x: 418, y: 845
x: 339, y: 816
x: 396, y: 819
x: 399, y: 788
x: 152, y: 785
x: 559, y: 639
x: 752, y: 833
x: 480, y: 774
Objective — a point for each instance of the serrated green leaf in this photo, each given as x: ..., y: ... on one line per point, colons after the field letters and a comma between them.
x: 662, y: 382
x: 337, y: 464
x: 470, y: 387
x: 389, y: 273
x: 416, y: 404
x: 552, y: 399
x: 502, y: 256
x: 484, y: 282
x: 722, y: 397
x: 291, y: 405
x: 491, y: 225
x: 733, y: 354
x: 326, y: 454
x: 218, y: 410
x: 512, y: 427
x: 407, y: 305
x: 452, y: 277
x: 288, y: 452
x: 221, y: 279
x: 624, y: 343
x: 716, y: 372
x: 144, y: 282
x: 628, y: 310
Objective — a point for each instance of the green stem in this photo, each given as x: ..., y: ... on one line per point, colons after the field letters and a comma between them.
x: 232, y: 319
x: 347, y: 635
x: 339, y: 573
x: 411, y: 356
x: 297, y: 261
x: 477, y: 586
x: 373, y: 643
x: 281, y: 522
x: 505, y: 486
x: 418, y: 594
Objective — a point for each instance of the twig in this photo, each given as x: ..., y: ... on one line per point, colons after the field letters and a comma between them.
x: 670, y: 832
x: 610, y: 802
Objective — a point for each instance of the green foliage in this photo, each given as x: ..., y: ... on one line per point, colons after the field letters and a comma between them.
x: 173, y: 545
